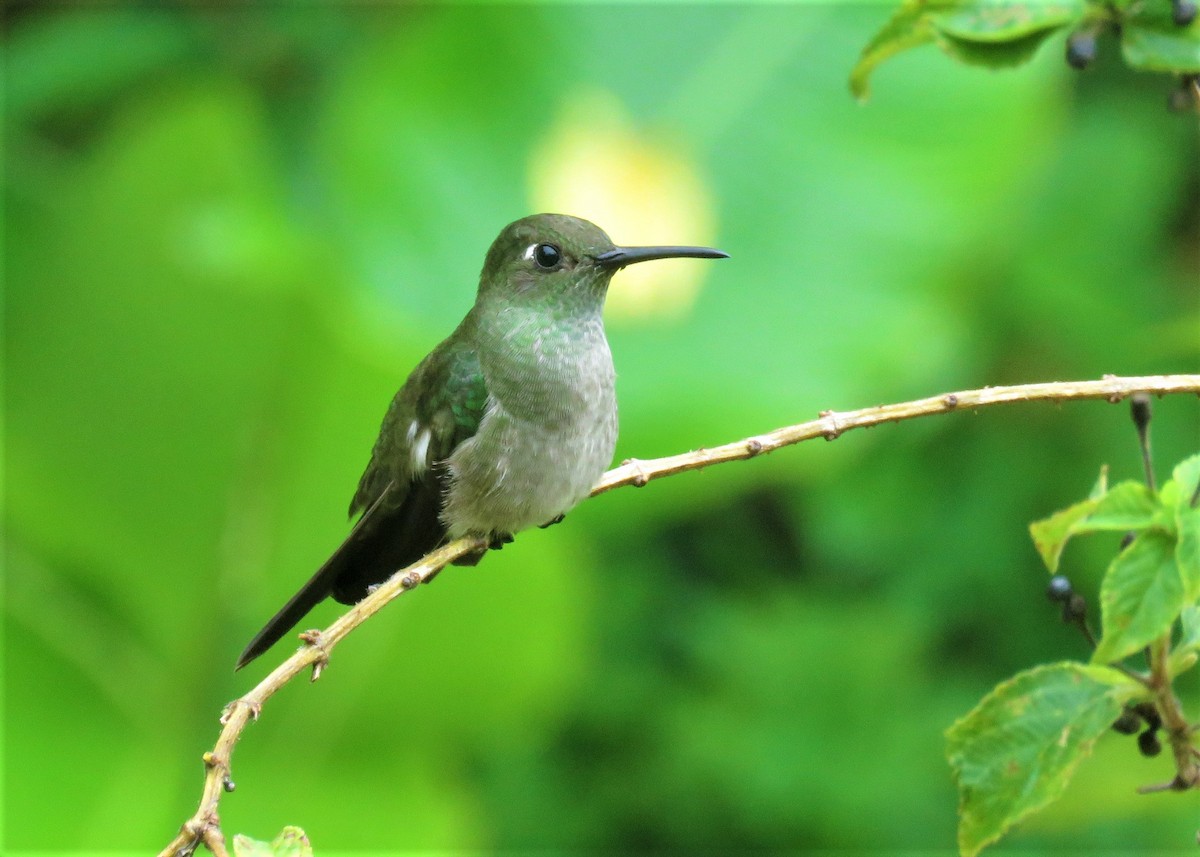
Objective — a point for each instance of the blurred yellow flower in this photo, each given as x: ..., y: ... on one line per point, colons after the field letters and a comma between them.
x: 593, y: 163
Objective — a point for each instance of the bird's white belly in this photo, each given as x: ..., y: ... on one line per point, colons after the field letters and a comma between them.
x: 514, y: 474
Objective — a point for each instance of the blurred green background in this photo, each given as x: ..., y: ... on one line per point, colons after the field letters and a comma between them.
x: 229, y: 235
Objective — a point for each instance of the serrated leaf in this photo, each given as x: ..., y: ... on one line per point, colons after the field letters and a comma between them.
x: 1127, y: 506
x: 1187, y: 526
x: 997, y: 21
x: 1004, y: 54
x: 909, y: 27
x: 291, y: 842
x: 1140, y: 596
x: 1050, y: 535
x: 1151, y: 41
x: 1016, y: 751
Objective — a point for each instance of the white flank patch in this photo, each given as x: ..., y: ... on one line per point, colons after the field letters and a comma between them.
x: 420, y: 450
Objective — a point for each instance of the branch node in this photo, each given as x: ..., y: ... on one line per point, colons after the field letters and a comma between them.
x: 830, y: 433
x: 214, y: 839
x: 227, y: 712
x: 950, y: 401
x: 313, y: 638
x: 754, y: 446
x: 640, y: 478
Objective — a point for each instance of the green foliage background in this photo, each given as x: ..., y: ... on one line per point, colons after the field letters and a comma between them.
x: 229, y: 234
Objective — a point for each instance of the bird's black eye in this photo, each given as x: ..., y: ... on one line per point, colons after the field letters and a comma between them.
x: 546, y: 255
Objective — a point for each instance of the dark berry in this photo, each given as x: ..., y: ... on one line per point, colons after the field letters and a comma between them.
x: 1128, y: 723
x: 1075, y: 609
x: 1059, y: 589
x: 1081, y: 49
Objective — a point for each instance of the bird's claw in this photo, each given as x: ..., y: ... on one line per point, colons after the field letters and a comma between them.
x: 499, y: 540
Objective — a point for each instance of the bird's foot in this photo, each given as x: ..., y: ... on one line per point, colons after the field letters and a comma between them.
x: 496, y: 542
x: 555, y: 520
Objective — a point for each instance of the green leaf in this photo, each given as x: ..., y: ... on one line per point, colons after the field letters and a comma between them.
x: 1183, y: 657
x: 996, y: 21
x: 1140, y: 596
x: 1151, y: 41
x: 1187, y: 475
x: 1016, y: 751
x: 291, y: 842
x: 1050, y: 535
x: 1187, y: 526
x: 909, y: 27
x: 993, y: 54
x: 1189, y: 620
x: 1128, y: 506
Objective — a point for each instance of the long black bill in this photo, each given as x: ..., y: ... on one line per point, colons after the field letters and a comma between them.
x: 619, y: 257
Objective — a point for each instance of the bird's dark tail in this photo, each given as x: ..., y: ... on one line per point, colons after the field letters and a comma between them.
x: 310, y: 595
x: 388, y: 537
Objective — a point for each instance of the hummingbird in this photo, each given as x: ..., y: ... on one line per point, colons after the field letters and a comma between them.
x: 505, y: 425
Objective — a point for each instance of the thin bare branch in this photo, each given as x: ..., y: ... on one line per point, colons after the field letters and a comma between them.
x: 205, y: 826
x: 832, y: 424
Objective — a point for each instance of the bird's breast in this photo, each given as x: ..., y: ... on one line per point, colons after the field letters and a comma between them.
x: 547, y: 435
